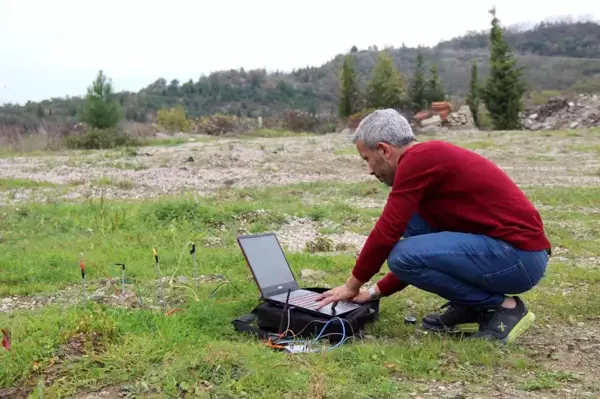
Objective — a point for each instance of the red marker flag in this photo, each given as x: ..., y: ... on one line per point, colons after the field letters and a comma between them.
x: 6, y: 339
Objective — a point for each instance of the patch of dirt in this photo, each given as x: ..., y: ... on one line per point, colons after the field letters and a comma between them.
x: 221, y: 163
x: 567, y: 348
x: 229, y: 162
x: 109, y: 293
x: 295, y: 234
x: 112, y: 392
x: 569, y: 357
x: 15, y: 393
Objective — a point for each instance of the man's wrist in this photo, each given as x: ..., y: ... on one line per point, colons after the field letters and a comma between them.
x: 354, y: 284
x: 374, y: 292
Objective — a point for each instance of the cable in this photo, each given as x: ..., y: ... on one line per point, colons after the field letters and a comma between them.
x: 319, y: 336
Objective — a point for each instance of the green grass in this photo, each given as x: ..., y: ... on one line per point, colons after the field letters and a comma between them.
x: 541, y: 158
x: 106, y: 181
x: 346, y: 151
x: 9, y: 184
x: 195, y: 351
x: 273, y: 133
x: 479, y: 145
x: 589, y: 148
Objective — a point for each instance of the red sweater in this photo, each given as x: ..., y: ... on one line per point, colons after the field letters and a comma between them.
x: 453, y: 189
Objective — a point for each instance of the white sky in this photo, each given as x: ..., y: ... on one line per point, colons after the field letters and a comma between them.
x: 54, y: 48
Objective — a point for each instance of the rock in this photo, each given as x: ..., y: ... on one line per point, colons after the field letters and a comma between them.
x: 312, y: 274
x: 183, y: 280
x: 536, y: 126
x: 97, y: 297
x: 435, y: 120
x: 6, y: 300
x: 580, y: 112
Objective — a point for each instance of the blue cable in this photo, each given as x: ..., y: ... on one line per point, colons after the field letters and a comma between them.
x: 325, y: 327
x: 341, y: 342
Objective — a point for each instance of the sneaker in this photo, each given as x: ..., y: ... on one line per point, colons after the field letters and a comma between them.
x: 505, y: 325
x: 456, y: 319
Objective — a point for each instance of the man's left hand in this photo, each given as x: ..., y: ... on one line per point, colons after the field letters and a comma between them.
x: 341, y: 293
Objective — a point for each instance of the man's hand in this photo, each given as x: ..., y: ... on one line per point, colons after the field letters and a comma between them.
x: 341, y: 293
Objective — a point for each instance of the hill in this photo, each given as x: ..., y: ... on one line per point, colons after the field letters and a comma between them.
x: 557, y: 56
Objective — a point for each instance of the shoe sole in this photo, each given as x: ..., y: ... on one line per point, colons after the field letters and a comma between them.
x: 518, y: 330
x: 466, y: 328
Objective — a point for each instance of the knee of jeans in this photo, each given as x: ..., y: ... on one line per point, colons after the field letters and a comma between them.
x: 399, y: 261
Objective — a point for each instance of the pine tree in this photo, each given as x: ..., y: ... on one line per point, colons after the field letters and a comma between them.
x: 101, y: 110
x: 503, y: 92
x: 435, y: 88
x: 473, y: 97
x: 386, y: 88
x: 418, y: 89
x: 349, y: 90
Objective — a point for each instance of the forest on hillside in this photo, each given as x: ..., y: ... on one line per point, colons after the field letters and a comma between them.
x: 557, y: 56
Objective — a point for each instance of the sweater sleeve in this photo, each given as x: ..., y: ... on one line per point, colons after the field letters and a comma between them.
x: 417, y: 171
x: 390, y: 284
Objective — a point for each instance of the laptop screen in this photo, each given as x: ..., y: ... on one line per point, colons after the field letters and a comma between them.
x: 267, y: 261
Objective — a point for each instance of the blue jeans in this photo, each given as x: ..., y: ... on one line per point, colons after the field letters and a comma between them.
x: 467, y: 269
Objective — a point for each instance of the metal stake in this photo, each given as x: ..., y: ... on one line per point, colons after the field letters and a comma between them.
x: 193, y: 252
x: 82, y: 268
x: 122, y: 277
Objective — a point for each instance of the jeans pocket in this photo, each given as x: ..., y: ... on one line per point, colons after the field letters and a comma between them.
x: 512, y: 280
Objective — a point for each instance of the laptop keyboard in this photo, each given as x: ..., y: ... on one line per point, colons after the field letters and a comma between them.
x: 304, y: 299
x: 307, y: 299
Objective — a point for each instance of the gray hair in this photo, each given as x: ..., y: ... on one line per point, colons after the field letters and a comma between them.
x: 384, y: 125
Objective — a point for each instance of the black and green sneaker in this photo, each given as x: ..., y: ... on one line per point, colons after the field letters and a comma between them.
x: 505, y: 325
x: 456, y: 319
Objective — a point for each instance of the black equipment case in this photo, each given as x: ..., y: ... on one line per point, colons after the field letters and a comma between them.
x: 272, y: 319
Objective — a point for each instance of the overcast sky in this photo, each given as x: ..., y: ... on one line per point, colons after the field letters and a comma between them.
x: 55, y: 48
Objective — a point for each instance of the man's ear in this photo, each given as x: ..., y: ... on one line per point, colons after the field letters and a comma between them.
x: 384, y: 149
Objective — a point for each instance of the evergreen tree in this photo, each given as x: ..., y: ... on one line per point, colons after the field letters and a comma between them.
x: 418, y: 93
x: 387, y: 88
x: 473, y: 98
x: 101, y: 110
x: 503, y: 92
x: 435, y: 88
x: 39, y: 112
x: 349, y: 91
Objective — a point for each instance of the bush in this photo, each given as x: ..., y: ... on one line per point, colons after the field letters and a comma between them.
x: 173, y: 120
x: 354, y: 119
x: 298, y: 121
x: 100, y: 139
x: 218, y: 124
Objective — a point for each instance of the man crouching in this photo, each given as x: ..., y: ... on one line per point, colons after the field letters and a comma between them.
x: 469, y: 234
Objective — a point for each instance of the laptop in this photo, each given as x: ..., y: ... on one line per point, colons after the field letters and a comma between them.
x: 274, y: 277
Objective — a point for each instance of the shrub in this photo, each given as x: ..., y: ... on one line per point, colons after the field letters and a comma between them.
x: 218, y: 124
x: 297, y: 121
x: 100, y: 139
x: 354, y: 119
x: 173, y: 120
